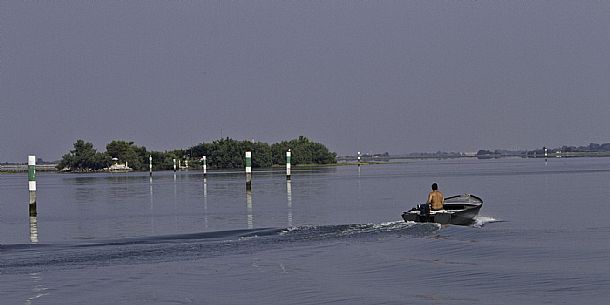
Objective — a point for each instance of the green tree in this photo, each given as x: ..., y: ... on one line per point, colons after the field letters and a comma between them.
x: 83, y: 158
x: 261, y: 154
x: 303, y: 152
x: 226, y: 153
x: 128, y: 152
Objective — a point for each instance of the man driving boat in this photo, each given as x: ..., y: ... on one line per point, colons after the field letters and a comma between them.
x: 436, y: 199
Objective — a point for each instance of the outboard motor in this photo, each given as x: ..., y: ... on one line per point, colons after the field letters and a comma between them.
x: 424, y: 209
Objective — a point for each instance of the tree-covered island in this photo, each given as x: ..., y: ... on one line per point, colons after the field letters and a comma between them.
x: 220, y: 154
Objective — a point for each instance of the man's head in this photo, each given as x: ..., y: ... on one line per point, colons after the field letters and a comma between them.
x: 434, y: 186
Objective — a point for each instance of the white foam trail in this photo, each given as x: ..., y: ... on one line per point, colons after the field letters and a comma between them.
x: 387, y: 224
x: 483, y: 220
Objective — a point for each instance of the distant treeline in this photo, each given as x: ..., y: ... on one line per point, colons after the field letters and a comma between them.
x: 224, y: 153
x: 593, y: 149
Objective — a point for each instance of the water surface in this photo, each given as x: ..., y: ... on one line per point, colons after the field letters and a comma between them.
x: 330, y: 235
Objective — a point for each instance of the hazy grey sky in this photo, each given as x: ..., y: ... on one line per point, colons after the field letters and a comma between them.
x: 396, y: 76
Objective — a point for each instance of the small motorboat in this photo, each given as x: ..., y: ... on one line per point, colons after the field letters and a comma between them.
x: 457, y: 210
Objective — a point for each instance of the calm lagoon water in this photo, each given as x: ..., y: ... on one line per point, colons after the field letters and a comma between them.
x: 329, y: 236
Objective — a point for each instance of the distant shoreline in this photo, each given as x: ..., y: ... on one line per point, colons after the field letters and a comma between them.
x: 8, y: 168
x: 389, y: 158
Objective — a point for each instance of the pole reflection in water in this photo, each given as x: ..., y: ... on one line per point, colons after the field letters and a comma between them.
x: 175, y: 203
x: 359, y: 186
x: 205, y: 202
x: 249, y: 209
x: 37, y: 289
x: 33, y: 229
x: 152, y: 205
x: 289, y: 193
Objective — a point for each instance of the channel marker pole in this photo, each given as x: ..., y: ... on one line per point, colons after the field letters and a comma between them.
x: 288, y: 155
x: 249, y: 170
x: 205, y: 166
x: 32, y: 184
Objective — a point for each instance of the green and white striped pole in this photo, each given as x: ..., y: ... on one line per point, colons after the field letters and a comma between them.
x: 248, y: 170
x: 358, y: 158
x: 174, y: 165
x: 150, y: 164
x: 32, y: 184
x: 288, y: 155
x: 205, y: 167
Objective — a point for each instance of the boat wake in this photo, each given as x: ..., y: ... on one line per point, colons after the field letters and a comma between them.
x: 24, y: 258
x: 330, y: 232
x: 480, y: 221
